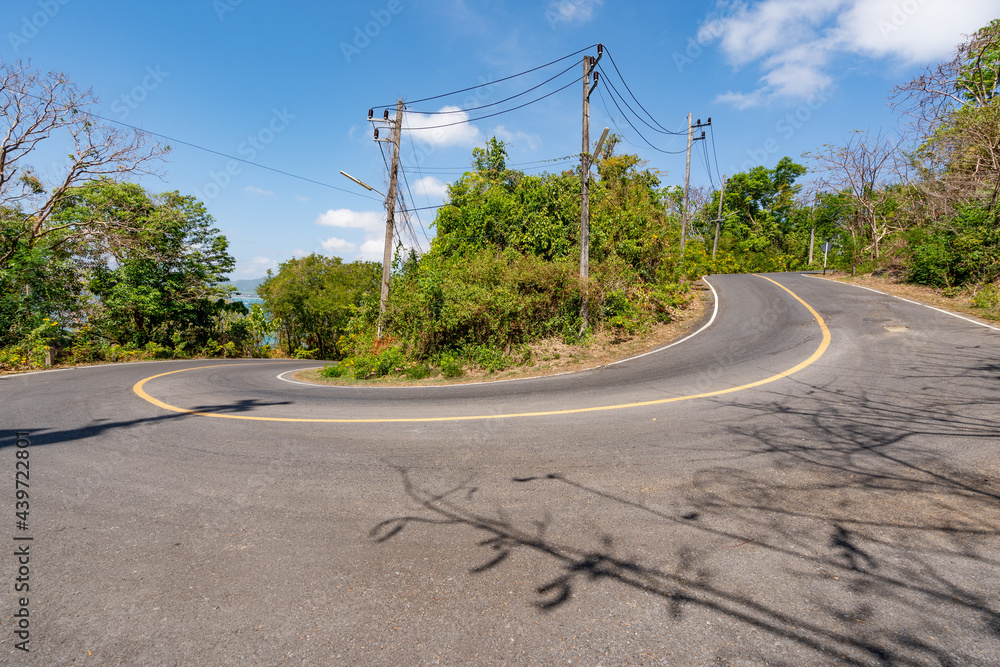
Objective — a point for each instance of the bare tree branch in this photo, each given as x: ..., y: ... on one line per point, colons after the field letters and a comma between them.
x: 37, y: 108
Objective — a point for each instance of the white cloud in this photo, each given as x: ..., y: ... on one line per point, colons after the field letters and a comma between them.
x: 915, y: 31
x: 255, y: 268
x: 335, y: 245
x: 298, y: 253
x: 575, y: 12
x: 254, y: 190
x: 371, y: 225
x: 457, y: 131
x: 345, y: 218
x: 519, y: 137
x: 795, y: 41
x: 373, y: 249
x: 300, y: 198
x: 431, y: 188
x: 741, y: 100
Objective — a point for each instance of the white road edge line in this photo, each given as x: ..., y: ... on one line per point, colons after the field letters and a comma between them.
x: 715, y: 312
x: 917, y: 303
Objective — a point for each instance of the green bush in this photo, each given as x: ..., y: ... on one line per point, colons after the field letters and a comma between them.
x: 451, y: 367
x: 368, y: 366
x: 335, y: 370
x: 489, y: 359
x: 417, y: 371
x: 987, y: 298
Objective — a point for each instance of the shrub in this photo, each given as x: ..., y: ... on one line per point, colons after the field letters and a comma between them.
x: 451, y: 367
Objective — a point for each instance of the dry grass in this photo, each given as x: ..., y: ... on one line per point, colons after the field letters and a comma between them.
x: 552, y: 356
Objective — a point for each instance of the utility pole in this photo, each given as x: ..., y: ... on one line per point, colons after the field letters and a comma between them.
x: 687, y: 182
x: 589, y: 62
x: 812, y: 230
x: 687, y: 175
x: 390, y: 207
x: 718, y: 220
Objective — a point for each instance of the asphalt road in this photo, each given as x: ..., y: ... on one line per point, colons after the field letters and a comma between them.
x: 788, y: 487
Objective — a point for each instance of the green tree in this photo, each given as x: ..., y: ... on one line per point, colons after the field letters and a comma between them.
x: 167, y: 289
x: 34, y: 284
x: 315, y: 298
x: 499, y: 208
x: 759, y: 208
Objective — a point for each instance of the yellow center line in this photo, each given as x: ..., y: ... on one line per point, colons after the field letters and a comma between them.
x: 824, y: 344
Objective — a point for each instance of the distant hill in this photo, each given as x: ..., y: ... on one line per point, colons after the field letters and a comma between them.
x: 247, y: 286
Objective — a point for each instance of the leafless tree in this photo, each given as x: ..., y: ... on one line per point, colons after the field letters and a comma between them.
x: 865, y: 166
x: 955, y: 110
x: 36, y: 108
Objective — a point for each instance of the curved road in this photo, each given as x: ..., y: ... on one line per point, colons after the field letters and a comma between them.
x: 814, y: 478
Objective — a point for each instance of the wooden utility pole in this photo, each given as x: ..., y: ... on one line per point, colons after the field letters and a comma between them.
x: 589, y: 62
x: 585, y: 181
x: 718, y: 220
x: 687, y: 182
x: 812, y: 230
x: 390, y: 205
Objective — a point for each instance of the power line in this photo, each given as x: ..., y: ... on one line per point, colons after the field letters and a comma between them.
x: 406, y: 224
x: 493, y: 104
x: 483, y: 85
x: 615, y: 91
x: 420, y: 223
x: 615, y: 65
x: 708, y: 163
x: 219, y: 153
x: 498, y: 113
x: 420, y: 173
x: 717, y: 171
x: 532, y: 164
x: 612, y: 90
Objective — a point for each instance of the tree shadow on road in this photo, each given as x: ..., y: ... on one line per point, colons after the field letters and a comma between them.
x: 45, y: 436
x: 866, y: 534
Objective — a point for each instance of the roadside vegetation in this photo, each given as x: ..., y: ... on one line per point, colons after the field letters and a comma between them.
x: 94, y: 267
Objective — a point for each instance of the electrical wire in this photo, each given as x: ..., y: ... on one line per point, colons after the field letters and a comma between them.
x: 420, y: 173
x: 409, y: 192
x: 221, y: 154
x: 708, y: 163
x: 718, y: 172
x: 483, y: 85
x: 491, y: 104
x: 607, y: 79
x: 611, y: 89
x: 615, y: 65
x: 533, y: 163
x: 406, y: 224
x: 498, y: 113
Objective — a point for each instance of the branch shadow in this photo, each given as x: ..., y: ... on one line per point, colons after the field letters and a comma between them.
x: 99, y: 427
x: 856, y: 500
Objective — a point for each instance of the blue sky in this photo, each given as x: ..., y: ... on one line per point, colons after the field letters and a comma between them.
x: 288, y: 85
